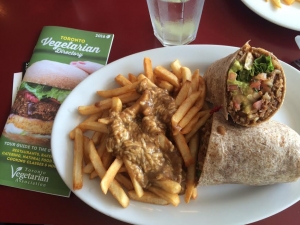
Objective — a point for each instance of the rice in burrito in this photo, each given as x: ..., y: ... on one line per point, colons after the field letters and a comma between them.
x: 249, y: 84
x: 265, y: 154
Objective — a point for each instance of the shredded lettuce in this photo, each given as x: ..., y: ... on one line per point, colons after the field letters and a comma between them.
x: 43, y: 91
x: 263, y: 64
x: 245, y: 75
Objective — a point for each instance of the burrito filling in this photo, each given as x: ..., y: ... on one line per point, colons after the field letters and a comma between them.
x: 255, y: 87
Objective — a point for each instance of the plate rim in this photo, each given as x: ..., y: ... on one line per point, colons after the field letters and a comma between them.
x: 137, y: 54
x: 257, y: 10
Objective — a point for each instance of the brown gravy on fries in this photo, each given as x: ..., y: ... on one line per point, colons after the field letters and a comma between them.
x: 141, y: 133
x: 144, y: 136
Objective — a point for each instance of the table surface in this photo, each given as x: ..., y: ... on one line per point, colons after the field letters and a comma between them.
x: 223, y: 22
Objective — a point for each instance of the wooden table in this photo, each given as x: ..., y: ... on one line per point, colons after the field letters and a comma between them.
x: 223, y: 22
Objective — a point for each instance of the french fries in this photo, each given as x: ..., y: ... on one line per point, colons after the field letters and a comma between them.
x: 148, y: 197
x: 143, y: 77
x: 115, y: 188
x: 191, y: 170
x: 124, y: 181
x: 195, y: 80
x: 95, y: 126
x: 168, y: 185
x: 116, y: 104
x: 176, y: 68
x: 197, y: 126
x: 110, y: 174
x: 94, y: 158
x: 92, y: 117
x: 278, y: 3
x: 184, y: 108
x: 186, y: 74
x: 190, y: 126
x: 169, y: 197
x: 188, y: 117
x: 107, y: 103
x: 165, y: 85
x: 90, y: 109
x: 121, y: 80
x: 184, y: 149
x: 288, y: 2
x: 132, y: 78
x: 148, y: 69
x: 78, y: 160
x: 118, y: 91
x: 166, y: 75
x: 136, y: 185
x: 183, y: 93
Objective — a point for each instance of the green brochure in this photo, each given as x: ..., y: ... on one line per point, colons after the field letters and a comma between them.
x: 61, y: 59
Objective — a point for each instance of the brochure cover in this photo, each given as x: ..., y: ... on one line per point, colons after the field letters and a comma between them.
x: 61, y: 59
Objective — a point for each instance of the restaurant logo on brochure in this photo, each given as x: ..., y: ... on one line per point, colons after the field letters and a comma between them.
x: 29, y: 176
x: 30, y: 167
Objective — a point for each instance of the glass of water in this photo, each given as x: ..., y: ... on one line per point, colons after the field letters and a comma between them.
x: 175, y: 22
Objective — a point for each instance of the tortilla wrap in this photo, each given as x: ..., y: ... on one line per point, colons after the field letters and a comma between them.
x: 248, y: 99
x: 261, y: 155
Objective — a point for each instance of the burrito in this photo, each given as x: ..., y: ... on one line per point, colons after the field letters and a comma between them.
x: 249, y: 84
x: 265, y: 154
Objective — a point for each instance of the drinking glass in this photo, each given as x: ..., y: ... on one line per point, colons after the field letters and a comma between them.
x: 175, y: 22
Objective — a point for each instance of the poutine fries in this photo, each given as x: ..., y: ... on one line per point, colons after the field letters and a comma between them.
x: 116, y: 172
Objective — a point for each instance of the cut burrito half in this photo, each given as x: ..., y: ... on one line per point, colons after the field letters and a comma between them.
x: 265, y: 154
x: 249, y: 84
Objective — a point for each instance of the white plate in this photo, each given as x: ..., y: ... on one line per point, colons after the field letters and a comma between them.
x: 223, y: 204
x: 287, y: 16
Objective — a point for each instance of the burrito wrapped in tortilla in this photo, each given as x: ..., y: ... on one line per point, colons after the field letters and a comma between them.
x: 265, y: 154
x: 249, y: 84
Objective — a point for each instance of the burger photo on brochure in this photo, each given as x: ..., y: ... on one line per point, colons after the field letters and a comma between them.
x: 45, y: 86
